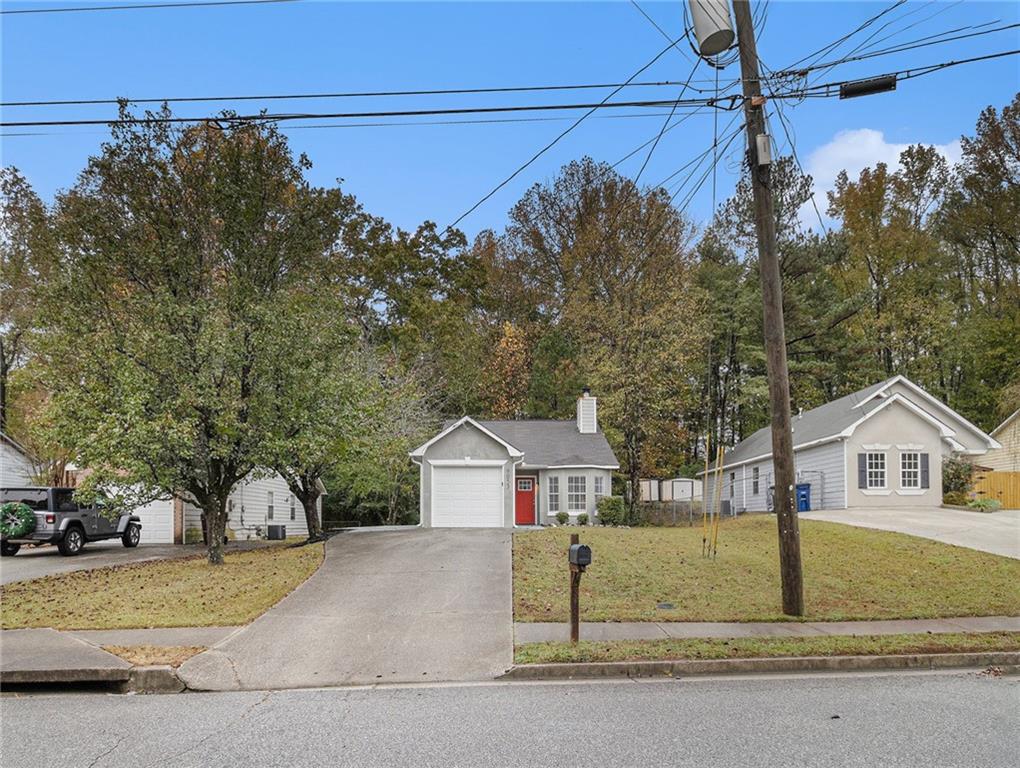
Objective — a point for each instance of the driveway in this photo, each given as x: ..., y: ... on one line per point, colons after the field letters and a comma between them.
x: 395, y: 605
x: 35, y: 562
x: 995, y: 532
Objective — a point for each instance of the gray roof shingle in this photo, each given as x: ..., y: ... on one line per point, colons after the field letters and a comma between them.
x: 548, y: 443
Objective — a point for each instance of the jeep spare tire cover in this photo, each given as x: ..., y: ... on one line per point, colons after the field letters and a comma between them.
x: 16, y: 519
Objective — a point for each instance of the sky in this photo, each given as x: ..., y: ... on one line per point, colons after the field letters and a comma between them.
x: 412, y: 173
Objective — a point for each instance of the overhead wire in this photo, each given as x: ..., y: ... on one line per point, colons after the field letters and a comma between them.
x: 140, y: 6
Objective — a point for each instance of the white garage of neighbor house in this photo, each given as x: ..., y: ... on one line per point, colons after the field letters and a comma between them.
x: 16, y: 468
x: 882, y: 446
x: 497, y: 474
x: 254, y: 505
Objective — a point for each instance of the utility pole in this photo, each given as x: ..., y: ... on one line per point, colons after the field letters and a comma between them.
x: 759, y: 163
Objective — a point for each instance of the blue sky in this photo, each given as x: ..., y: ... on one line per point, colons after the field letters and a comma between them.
x: 412, y: 173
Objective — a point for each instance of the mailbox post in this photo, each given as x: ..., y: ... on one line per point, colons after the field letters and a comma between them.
x: 579, y: 558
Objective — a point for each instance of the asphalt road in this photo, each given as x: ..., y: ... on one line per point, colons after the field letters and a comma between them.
x: 925, y: 719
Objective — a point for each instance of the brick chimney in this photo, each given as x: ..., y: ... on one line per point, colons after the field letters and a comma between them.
x: 587, y: 419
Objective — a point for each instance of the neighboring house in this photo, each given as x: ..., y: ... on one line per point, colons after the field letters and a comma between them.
x: 674, y: 489
x: 16, y: 467
x: 1005, y: 458
x: 254, y: 504
x: 880, y: 447
x: 503, y: 473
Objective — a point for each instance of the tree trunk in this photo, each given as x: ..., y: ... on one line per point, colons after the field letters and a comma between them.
x: 308, y: 501
x: 216, y: 525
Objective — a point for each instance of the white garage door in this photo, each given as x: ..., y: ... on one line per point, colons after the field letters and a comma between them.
x: 467, y: 497
x: 157, y: 522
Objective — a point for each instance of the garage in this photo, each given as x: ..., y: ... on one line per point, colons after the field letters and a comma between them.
x: 157, y: 522
x: 467, y: 496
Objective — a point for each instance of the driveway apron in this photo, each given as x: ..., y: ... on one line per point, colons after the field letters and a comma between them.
x: 397, y: 605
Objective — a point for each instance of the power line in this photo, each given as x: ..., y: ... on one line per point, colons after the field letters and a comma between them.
x: 143, y: 6
x: 665, y: 123
x: 839, y: 41
x: 343, y: 94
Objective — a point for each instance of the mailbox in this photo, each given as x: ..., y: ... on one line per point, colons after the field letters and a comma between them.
x: 580, y: 554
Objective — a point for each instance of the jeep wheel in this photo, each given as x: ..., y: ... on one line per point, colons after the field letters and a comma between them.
x: 9, y: 549
x: 132, y: 535
x: 73, y: 541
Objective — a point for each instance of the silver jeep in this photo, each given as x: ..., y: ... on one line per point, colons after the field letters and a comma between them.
x: 61, y: 520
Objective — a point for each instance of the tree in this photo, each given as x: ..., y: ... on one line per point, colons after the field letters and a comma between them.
x: 177, y: 246
x: 506, y: 376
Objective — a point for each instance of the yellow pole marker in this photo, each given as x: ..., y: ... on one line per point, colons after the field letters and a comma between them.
x: 718, y: 501
x: 704, y: 505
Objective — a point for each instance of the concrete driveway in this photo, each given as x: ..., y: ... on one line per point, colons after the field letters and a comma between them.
x: 396, y: 605
x: 995, y: 532
x: 35, y: 562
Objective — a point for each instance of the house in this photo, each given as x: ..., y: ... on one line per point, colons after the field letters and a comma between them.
x: 1005, y: 458
x: 255, y: 503
x: 506, y: 473
x: 16, y: 467
x: 880, y: 447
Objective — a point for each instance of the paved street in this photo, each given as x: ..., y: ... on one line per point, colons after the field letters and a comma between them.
x: 922, y: 719
x: 995, y: 532
x: 391, y: 605
x: 35, y: 562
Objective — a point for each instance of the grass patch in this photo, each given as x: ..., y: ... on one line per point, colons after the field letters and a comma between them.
x: 149, y: 655
x: 186, y: 592
x: 849, y: 573
x: 764, y: 647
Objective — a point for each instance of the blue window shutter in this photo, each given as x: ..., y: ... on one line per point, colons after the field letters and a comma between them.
x: 862, y: 470
x: 925, y: 474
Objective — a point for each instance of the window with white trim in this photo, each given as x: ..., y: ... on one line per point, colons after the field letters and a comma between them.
x: 754, y: 481
x: 600, y: 486
x: 269, y: 505
x: 577, y: 493
x: 733, y: 483
x: 293, y: 501
x: 876, y: 469
x: 910, y: 469
x: 554, y: 494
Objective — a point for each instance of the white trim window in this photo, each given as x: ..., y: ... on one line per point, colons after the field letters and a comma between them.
x: 733, y: 483
x: 910, y: 470
x: 554, y: 494
x: 755, y: 473
x: 600, y: 487
x: 293, y: 503
x: 577, y: 493
x: 269, y: 505
x: 876, y: 470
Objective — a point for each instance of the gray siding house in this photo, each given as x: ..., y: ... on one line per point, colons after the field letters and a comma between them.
x: 16, y: 468
x: 880, y: 447
x: 506, y: 473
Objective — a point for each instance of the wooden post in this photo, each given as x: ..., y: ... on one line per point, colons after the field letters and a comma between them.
x: 775, y: 333
x: 575, y: 596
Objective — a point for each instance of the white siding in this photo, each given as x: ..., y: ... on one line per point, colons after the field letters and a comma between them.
x: 15, y: 468
x: 157, y: 519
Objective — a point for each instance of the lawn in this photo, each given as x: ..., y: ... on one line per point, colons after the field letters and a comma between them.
x: 164, y: 593
x: 765, y: 647
x: 849, y: 573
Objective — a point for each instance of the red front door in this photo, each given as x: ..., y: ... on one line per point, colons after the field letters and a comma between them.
x: 525, y: 501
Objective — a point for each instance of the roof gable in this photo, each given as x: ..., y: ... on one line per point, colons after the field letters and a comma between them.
x: 420, y: 450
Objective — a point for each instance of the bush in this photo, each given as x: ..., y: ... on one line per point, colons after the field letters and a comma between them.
x: 562, y: 518
x: 985, y: 505
x: 582, y: 519
x: 955, y: 498
x: 610, y: 510
x: 957, y: 475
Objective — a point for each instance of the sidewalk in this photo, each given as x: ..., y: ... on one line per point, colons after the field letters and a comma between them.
x: 645, y: 630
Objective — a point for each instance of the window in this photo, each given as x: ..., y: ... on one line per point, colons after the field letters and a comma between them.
x: 876, y: 470
x: 269, y: 505
x: 600, y: 486
x: 36, y: 500
x: 754, y: 481
x: 292, y: 502
x: 63, y: 501
x: 554, y: 495
x: 230, y: 507
x: 733, y: 482
x: 910, y: 470
x: 577, y: 493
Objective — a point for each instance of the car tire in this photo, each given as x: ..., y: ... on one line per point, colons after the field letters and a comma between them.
x: 72, y: 541
x: 132, y: 535
x: 9, y: 549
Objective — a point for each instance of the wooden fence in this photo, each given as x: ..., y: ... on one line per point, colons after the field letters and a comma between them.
x: 1004, y: 486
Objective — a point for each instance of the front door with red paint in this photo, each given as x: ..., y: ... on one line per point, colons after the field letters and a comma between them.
x: 525, y: 501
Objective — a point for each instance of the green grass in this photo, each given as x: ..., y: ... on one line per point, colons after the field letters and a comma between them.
x: 185, y: 592
x: 849, y: 573
x: 764, y: 647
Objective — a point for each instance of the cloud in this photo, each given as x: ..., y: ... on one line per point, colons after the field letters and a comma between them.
x: 853, y: 151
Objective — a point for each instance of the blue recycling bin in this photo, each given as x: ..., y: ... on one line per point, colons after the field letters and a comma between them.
x: 804, y: 497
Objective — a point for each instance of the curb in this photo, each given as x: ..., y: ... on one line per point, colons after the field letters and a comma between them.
x: 58, y: 676
x: 684, y: 668
x: 154, y: 679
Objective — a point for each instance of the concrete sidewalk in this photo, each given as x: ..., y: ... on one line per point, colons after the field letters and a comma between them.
x: 49, y: 656
x: 664, y: 630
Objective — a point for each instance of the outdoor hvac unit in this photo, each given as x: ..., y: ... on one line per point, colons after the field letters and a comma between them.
x: 277, y: 532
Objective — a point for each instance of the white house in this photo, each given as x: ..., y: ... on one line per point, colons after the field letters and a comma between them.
x: 880, y: 447
x: 16, y: 468
x: 505, y: 473
x: 1005, y: 458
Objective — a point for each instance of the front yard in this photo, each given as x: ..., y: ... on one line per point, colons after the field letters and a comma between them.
x: 186, y: 592
x: 849, y: 573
